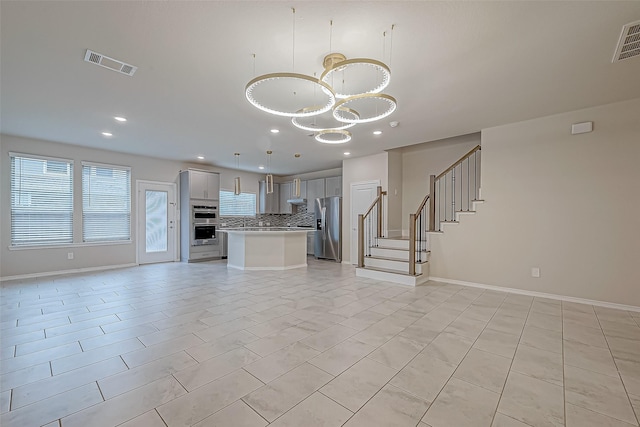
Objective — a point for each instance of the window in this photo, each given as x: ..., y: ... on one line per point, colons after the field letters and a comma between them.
x: 106, y: 203
x: 41, y: 200
x: 243, y: 204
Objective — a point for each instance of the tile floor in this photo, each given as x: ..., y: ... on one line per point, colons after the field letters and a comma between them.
x: 197, y: 344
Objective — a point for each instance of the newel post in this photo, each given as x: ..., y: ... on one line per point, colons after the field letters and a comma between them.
x: 360, y: 240
x: 379, y: 207
x: 432, y: 203
x: 412, y: 244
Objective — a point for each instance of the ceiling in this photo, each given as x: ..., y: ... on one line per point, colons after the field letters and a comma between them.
x: 457, y: 68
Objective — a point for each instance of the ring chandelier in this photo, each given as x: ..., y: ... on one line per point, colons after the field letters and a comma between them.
x: 344, y: 103
x: 350, y: 88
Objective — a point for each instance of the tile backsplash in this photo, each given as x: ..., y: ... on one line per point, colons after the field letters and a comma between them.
x: 302, y: 217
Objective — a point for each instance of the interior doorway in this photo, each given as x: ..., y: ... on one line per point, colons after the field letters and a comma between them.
x: 362, y: 195
x: 157, y: 228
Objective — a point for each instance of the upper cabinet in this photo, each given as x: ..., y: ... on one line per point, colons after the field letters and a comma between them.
x: 315, y: 190
x: 269, y: 203
x: 285, y: 194
x: 202, y: 185
x: 333, y: 186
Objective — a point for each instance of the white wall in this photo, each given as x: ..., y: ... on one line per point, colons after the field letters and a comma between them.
x: 394, y: 194
x: 568, y: 204
x: 431, y: 158
x: 360, y: 169
x: 311, y: 175
x: 42, y: 260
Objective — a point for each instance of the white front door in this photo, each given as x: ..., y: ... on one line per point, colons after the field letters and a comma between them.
x: 362, y: 195
x: 157, y: 231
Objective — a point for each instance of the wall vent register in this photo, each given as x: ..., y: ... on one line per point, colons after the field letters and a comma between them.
x: 629, y: 43
x: 110, y: 63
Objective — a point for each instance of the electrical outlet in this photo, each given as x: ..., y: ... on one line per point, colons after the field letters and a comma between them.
x: 224, y: 224
x: 69, y: 255
x: 535, y: 271
x: 260, y: 223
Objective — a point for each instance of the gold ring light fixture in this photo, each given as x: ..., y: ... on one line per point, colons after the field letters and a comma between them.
x: 277, y: 83
x: 338, y: 67
x: 316, y: 127
x: 348, y: 92
x: 343, y: 136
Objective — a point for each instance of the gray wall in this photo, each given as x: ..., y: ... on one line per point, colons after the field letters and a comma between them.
x: 431, y: 158
x: 567, y: 204
x: 33, y: 261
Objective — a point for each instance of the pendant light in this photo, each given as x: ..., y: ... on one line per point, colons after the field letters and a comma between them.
x: 296, y: 182
x: 236, y: 181
x: 291, y: 87
x: 347, y: 93
x: 269, y: 177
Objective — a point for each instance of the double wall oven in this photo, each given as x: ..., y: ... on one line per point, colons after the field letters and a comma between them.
x: 204, y: 222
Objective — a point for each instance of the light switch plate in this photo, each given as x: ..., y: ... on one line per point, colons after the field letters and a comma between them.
x: 535, y: 271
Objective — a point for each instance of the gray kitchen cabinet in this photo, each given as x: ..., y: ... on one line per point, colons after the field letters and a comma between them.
x: 311, y: 238
x: 285, y: 194
x: 268, y: 203
x: 333, y: 186
x: 204, y: 185
x: 303, y: 189
x: 315, y: 189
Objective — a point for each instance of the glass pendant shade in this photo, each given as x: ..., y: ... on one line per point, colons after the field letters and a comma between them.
x: 236, y: 181
x: 269, y: 179
x: 296, y: 187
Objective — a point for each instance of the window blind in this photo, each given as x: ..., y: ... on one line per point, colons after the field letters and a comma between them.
x: 106, y: 203
x: 243, y: 204
x: 41, y: 200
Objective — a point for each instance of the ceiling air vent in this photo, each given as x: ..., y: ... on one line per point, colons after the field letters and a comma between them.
x: 629, y: 43
x: 110, y: 63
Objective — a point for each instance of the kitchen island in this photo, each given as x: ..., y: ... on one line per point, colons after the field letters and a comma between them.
x: 271, y: 248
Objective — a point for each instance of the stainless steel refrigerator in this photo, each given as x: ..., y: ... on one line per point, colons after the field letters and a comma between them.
x: 328, y: 234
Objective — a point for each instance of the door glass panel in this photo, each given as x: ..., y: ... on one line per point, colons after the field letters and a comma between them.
x: 156, y: 218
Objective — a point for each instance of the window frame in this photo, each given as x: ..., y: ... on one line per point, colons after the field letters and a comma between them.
x: 238, y: 215
x: 65, y: 239
x: 112, y: 167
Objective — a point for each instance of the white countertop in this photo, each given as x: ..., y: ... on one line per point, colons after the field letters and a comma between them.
x: 265, y: 230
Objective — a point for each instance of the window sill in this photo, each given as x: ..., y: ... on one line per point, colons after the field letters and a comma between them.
x: 70, y: 245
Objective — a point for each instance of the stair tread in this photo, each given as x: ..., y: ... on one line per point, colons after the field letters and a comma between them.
x: 389, y: 270
x: 395, y: 249
x: 392, y: 259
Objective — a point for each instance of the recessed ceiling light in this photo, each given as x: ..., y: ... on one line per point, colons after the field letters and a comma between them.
x: 200, y: 157
x: 107, y: 134
x: 261, y: 167
x: 120, y: 119
x: 275, y: 130
x: 346, y: 153
x: 377, y: 132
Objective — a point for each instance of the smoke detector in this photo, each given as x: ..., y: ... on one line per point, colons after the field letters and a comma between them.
x: 629, y: 43
x: 110, y: 63
x: 393, y: 124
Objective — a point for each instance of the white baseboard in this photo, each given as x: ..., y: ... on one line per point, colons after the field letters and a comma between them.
x: 61, y: 272
x: 289, y: 267
x: 537, y: 294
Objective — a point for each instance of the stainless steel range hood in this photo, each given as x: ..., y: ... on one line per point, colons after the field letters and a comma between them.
x: 297, y: 201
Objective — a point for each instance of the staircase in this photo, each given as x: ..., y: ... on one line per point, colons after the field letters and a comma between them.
x: 453, y: 194
x: 389, y: 261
